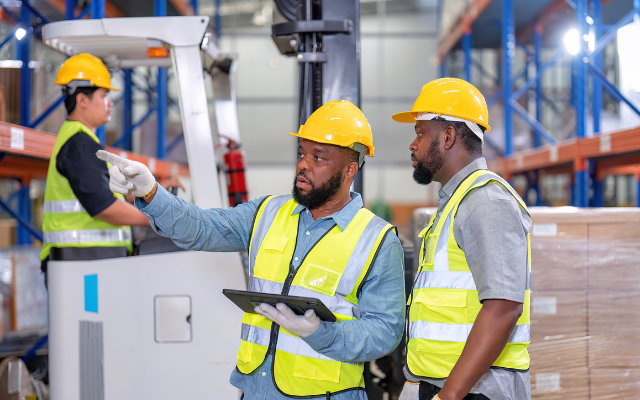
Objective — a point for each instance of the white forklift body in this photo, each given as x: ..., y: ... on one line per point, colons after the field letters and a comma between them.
x: 154, y: 326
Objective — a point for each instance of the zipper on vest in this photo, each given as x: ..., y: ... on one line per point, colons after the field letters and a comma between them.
x: 285, y: 290
x: 274, y: 326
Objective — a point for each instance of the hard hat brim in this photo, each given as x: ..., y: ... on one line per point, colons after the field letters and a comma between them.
x: 319, y: 140
x: 409, y: 117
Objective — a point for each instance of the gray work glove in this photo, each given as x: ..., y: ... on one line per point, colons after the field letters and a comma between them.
x: 127, y: 177
x: 301, y: 325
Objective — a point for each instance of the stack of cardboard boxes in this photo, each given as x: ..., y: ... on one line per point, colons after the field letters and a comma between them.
x: 585, y: 307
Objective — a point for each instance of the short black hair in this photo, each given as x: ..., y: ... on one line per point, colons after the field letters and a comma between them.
x: 70, y: 100
x: 350, y: 155
x: 471, y: 142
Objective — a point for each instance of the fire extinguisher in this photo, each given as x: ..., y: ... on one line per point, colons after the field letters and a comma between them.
x: 236, y: 183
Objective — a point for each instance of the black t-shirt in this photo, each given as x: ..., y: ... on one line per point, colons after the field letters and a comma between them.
x: 87, y: 175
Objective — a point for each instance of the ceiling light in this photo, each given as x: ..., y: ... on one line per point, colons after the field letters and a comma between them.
x: 20, y: 33
x: 572, y: 41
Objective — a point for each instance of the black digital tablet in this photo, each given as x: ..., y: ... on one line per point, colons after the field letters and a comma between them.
x: 247, y: 301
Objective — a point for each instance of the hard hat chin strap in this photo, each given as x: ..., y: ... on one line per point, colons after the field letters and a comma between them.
x: 472, y: 125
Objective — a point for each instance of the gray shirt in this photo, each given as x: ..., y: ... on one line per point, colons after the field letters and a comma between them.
x: 491, y: 228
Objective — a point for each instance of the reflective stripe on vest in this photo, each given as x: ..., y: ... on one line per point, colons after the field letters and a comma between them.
x: 63, y: 206
x: 88, y: 236
x: 332, y: 271
x: 451, y: 280
x: 444, y: 304
x: 459, y: 332
x: 65, y: 222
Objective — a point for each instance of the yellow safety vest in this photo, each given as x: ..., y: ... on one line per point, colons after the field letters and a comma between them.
x: 444, y: 300
x: 333, y: 271
x: 65, y: 222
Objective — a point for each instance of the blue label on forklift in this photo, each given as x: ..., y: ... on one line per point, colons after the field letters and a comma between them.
x: 91, y: 293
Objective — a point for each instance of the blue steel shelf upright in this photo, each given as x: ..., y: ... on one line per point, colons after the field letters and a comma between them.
x: 585, y: 65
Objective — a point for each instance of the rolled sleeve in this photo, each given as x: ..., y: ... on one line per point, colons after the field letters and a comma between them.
x: 493, y: 237
x: 378, y: 330
x: 193, y: 228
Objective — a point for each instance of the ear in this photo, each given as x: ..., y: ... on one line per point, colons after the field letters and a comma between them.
x: 449, y: 137
x: 351, y: 170
x: 82, y: 100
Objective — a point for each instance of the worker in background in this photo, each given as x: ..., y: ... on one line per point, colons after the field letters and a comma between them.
x: 468, y: 313
x: 318, y: 242
x: 83, y: 218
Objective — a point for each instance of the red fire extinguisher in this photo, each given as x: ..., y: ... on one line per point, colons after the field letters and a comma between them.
x: 236, y: 183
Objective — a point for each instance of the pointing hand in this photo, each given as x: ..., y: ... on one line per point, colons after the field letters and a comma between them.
x: 126, y: 176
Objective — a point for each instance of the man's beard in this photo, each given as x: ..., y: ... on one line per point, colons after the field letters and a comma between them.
x: 423, y: 172
x: 317, y: 196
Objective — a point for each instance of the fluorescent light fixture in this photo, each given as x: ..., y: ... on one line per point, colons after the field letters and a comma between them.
x: 572, y: 41
x: 20, y: 33
x: 589, y: 20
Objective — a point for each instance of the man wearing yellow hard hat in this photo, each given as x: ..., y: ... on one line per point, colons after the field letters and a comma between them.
x: 83, y: 219
x: 468, y: 324
x: 317, y: 242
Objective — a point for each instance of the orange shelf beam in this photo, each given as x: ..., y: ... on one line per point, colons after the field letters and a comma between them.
x: 449, y: 40
x: 29, y: 151
x: 622, y: 144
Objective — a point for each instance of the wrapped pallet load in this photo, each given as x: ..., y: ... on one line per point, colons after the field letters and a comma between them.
x: 585, y: 319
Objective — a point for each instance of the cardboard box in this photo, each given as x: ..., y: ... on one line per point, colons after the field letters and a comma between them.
x: 614, y: 326
x: 615, y: 383
x: 560, y: 384
x: 7, y: 232
x: 558, y: 330
x: 559, y: 256
x: 614, y: 256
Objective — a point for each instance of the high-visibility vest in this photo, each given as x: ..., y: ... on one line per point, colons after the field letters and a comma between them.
x: 444, y: 300
x: 332, y: 271
x: 65, y: 222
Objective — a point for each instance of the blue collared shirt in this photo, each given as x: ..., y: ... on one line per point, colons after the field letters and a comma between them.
x: 374, y: 334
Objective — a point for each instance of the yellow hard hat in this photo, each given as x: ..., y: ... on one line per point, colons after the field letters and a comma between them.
x: 451, y: 97
x: 84, y: 67
x: 340, y: 123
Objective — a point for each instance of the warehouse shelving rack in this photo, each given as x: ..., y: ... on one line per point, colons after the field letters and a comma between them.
x: 24, y: 151
x: 585, y: 158
x: 24, y: 155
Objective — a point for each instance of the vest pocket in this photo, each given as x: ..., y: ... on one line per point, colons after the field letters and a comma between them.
x: 250, y: 356
x: 444, y: 306
x: 269, y: 257
x: 320, y: 370
x: 321, y: 280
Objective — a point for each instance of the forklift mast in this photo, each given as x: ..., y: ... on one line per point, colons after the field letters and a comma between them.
x: 324, y: 35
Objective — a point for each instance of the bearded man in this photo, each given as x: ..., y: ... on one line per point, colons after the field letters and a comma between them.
x: 318, y: 242
x: 468, y: 323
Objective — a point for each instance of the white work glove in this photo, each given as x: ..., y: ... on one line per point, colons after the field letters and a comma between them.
x: 301, y: 325
x: 127, y: 177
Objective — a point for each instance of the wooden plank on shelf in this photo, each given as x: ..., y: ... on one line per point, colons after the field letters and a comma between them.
x: 29, y: 151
